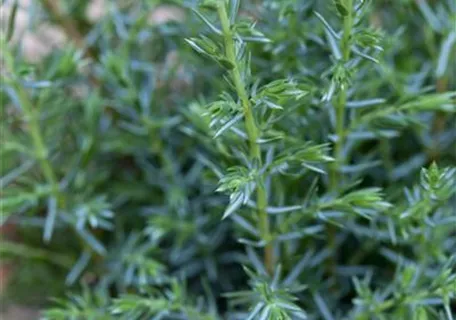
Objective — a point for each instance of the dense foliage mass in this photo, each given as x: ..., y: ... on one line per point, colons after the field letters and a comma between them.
x: 276, y: 159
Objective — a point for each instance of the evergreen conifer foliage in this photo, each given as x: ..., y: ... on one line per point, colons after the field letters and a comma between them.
x: 250, y: 160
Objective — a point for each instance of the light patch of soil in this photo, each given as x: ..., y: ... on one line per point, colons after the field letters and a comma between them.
x: 18, y: 313
x: 40, y: 40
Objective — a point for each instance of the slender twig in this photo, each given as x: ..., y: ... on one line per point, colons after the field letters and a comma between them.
x: 41, y: 152
x: 341, y: 101
x: 31, y: 117
x: 252, y: 133
x: 340, y: 106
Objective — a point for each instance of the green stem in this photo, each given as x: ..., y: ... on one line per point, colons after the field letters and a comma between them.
x: 31, y: 116
x: 340, y: 132
x: 41, y: 152
x: 340, y: 106
x: 230, y: 52
x: 348, y: 25
x: 342, y: 100
x: 252, y: 132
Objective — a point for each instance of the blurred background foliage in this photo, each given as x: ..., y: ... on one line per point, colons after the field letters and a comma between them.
x: 123, y: 147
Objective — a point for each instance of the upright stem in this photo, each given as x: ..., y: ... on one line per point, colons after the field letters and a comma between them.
x: 252, y: 133
x: 230, y: 52
x: 31, y: 115
x: 340, y: 106
x: 342, y: 100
